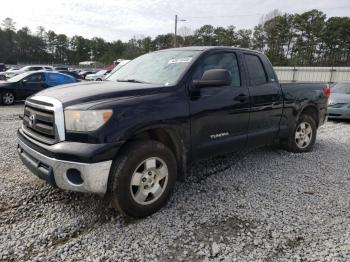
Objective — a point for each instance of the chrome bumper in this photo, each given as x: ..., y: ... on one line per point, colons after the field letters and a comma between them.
x: 94, y: 177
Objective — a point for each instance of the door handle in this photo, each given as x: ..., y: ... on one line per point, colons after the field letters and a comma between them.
x: 241, y: 98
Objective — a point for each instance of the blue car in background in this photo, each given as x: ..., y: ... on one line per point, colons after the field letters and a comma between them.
x: 27, y: 84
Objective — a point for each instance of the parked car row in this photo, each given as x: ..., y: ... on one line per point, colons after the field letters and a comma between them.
x: 14, y: 72
x: 24, y: 82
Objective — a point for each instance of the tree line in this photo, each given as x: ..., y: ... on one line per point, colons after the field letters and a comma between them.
x: 305, y: 39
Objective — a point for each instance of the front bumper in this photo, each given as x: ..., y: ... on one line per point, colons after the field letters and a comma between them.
x: 338, y: 113
x: 74, y: 176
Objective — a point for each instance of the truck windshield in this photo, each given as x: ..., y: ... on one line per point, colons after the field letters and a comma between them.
x: 163, y: 67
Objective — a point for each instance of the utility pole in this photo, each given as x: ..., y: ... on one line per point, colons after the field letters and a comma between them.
x: 175, y: 30
x: 176, y: 21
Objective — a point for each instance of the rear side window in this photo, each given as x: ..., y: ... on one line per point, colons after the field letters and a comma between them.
x: 68, y: 79
x: 54, y: 78
x: 257, y: 74
x: 59, y: 79
x: 226, y: 61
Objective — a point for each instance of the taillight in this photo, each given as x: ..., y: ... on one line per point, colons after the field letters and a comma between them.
x: 327, y: 91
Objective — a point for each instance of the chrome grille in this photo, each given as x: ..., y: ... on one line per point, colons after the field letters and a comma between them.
x: 43, y: 119
x: 40, y: 123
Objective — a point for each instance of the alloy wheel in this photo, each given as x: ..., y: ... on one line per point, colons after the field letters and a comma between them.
x: 149, y: 181
x: 8, y: 98
x: 303, y: 135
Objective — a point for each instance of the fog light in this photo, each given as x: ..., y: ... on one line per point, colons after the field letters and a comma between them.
x: 74, y: 176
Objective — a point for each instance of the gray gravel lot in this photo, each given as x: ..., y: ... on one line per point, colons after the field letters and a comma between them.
x: 267, y: 205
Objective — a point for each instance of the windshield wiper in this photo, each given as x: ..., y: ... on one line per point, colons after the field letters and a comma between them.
x: 132, y: 81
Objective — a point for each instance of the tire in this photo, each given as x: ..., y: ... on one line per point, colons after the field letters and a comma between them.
x: 142, y: 178
x: 303, y: 137
x: 98, y: 79
x: 7, y: 98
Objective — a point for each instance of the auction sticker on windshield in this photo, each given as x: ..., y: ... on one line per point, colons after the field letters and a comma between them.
x: 180, y: 60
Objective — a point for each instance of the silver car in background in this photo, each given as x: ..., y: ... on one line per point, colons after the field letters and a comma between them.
x: 117, y: 67
x: 339, y: 101
x: 99, y: 76
x: 12, y: 73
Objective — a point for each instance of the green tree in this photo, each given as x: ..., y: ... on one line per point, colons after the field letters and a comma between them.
x: 259, y: 38
x: 244, y: 38
x: 309, y: 27
x: 206, y: 35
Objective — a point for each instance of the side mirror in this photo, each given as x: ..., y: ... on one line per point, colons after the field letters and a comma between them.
x: 214, y: 78
x: 24, y: 81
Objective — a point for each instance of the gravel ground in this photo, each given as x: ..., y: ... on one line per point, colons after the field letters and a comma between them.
x: 267, y: 205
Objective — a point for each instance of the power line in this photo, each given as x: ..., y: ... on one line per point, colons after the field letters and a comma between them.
x: 257, y: 14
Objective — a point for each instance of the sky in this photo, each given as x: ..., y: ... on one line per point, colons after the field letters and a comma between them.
x: 123, y: 19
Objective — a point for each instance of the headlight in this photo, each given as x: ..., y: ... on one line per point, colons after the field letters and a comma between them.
x: 88, y: 120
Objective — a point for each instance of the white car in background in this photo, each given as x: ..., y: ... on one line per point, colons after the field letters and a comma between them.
x: 99, y: 76
x: 12, y: 73
x: 117, y: 67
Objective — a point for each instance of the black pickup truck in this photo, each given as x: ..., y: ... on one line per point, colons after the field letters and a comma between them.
x: 131, y: 137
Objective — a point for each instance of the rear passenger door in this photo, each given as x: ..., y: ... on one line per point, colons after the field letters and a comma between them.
x: 266, y: 100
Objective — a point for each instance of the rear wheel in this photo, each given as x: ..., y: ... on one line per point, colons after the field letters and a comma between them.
x: 142, y: 178
x: 7, y: 98
x: 303, y: 137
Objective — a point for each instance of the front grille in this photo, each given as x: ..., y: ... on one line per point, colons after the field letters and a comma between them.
x: 39, y: 123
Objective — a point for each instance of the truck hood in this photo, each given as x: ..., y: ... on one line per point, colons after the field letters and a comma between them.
x: 73, y: 94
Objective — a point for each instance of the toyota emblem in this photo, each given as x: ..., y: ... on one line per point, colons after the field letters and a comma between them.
x: 32, y: 120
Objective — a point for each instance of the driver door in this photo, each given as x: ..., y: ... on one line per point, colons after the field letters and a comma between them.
x: 219, y: 115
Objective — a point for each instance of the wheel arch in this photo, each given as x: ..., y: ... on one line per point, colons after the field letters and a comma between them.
x: 312, y: 111
x: 167, y: 136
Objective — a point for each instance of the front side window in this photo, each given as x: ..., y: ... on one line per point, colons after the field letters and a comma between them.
x: 163, y: 67
x: 35, y: 78
x: 256, y: 70
x: 226, y: 61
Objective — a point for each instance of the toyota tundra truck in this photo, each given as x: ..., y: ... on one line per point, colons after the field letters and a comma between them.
x: 134, y: 135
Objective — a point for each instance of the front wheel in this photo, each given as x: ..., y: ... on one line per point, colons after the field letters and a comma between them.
x: 8, y: 98
x: 303, y: 137
x: 142, y: 178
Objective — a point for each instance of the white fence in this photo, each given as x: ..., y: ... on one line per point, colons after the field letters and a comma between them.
x: 312, y: 74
